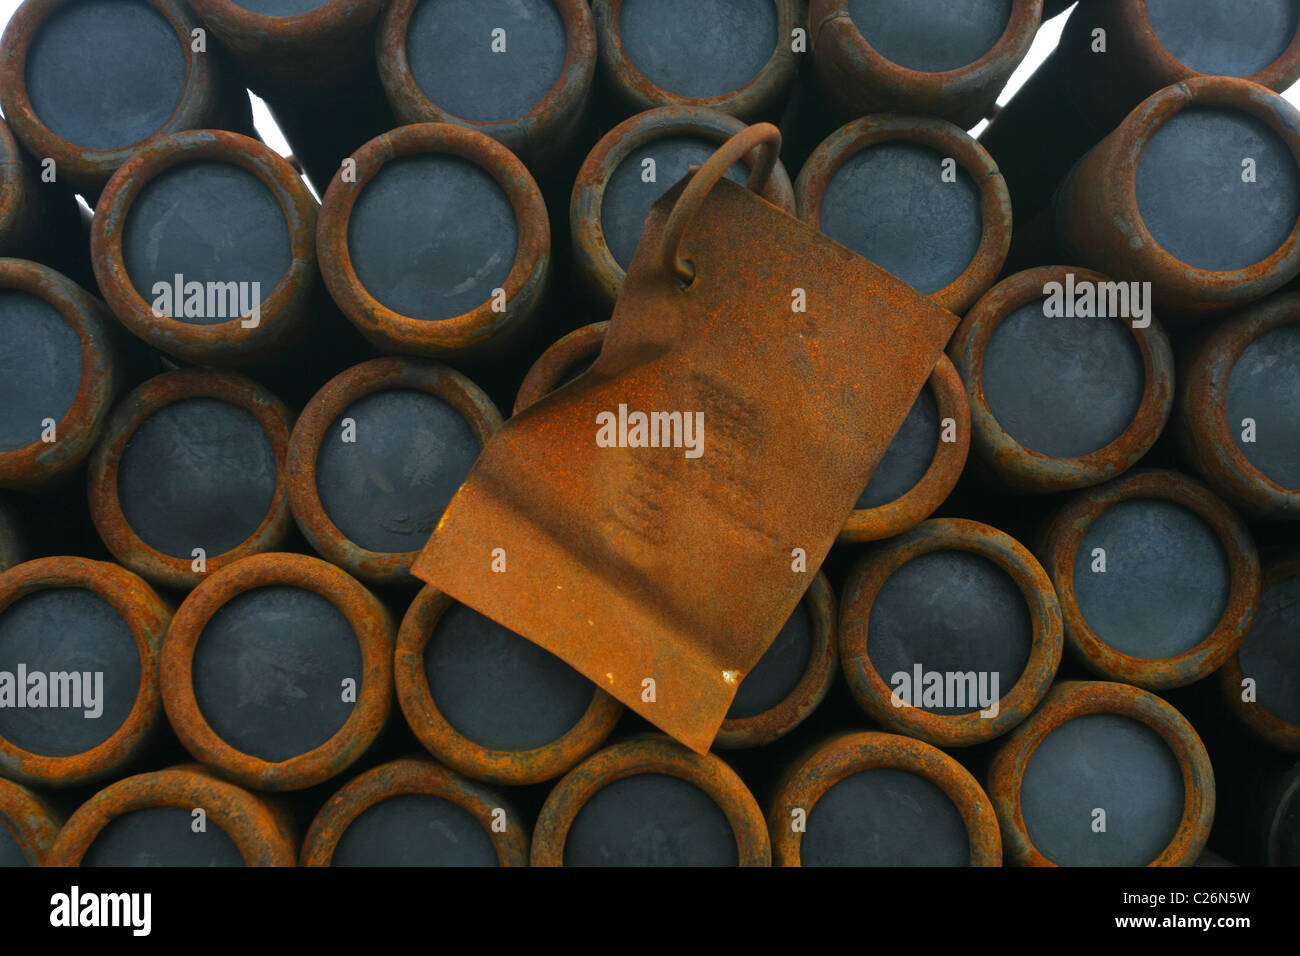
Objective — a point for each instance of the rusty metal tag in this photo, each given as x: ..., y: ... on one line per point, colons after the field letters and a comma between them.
x: 660, y: 556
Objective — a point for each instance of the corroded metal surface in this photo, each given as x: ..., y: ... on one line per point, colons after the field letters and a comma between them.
x: 422, y: 777
x: 480, y: 330
x: 31, y: 821
x: 285, y: 310
x: 1079, y: 94
x: 36, y: 464
x: 146, y: 616
x: 637, y: 563
x: 858, y: 80
x: 313, y: 427
x: 257, y: 828
x: 38, y: 220
x: 1201, y: 423
x: 371, y: 625
x: 651, y: 754
x: 18, y: 200
x: 752, y: 101
x: 1255, y: 716
x: 948, y: 141
x: 1060, y: 551
x: 558, y: 362
x: 599, y: 269
x: 539, y: 136
x: 1138, y: 64
x: 206, y: 101
x: 316, y: 71
x: 581, y: 346
x: 105, y: 503
x: 950, y: 534
x: 1147, y: 64
x: 290, y: 49
x: 813, y: 686
x: 460, y: 752
x: 1099, y: 225
x: 940, y: 478
x: 1027, y: 471
x: 808, y: 779
x: 1071, y: 699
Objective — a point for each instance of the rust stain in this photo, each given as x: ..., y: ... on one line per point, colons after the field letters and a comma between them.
x: 291, y: 50
x: 858, y: 80
x: 1099, y: 225
x: 908, y: 510
x: 1061, y: 549
x: 924, y: 498
x: 558, y: 361
x: 1201, y: 423
x: 1071, y: 699
x: 947, y: 140
x: 423, y: 777
x: 106, y: 507
x: 651, y: 753
x: 258, y: 828
x: 30, y: 820
x: 285, y: 310
x: 1022, y: 469
x: 807, y: 780
x: 202, y: 104
x: 371, y: 625
x: 869, y: 575
x: 539, y: 136
x: 1264, y: 724
x: 1139, y: 64
x: 684, y: 564
x: 807, y: 695
x: 480, y: 331
x: 313, y: 428
x: 37, y: 464
x: 146, y: 616
x: 514, y: 767
x: 755, y: 99
x: 600, y: 271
